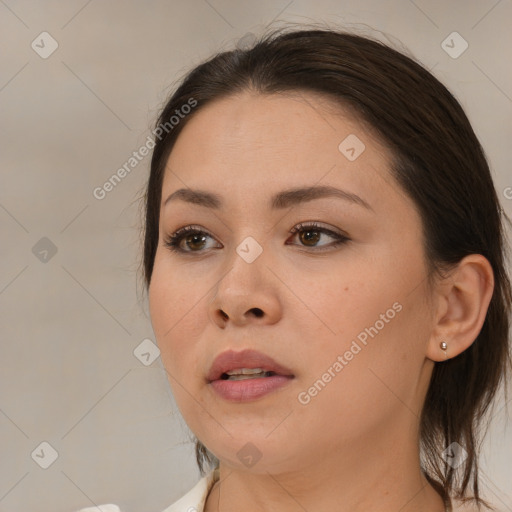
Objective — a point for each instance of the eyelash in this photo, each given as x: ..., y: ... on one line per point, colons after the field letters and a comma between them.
x: 173, y: 241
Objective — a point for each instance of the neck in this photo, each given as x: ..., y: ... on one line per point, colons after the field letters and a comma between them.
x: 387, y: 479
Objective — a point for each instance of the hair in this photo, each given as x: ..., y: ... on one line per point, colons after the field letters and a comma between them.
x: 436, y: 159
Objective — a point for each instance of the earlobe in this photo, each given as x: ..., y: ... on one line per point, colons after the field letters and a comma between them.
x: 464, y: 299
x: 444, y: 346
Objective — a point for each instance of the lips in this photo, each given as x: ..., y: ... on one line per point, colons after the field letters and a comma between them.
x: 231, y: 360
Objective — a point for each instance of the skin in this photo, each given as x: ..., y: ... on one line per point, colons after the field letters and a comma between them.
x: 354, y: 446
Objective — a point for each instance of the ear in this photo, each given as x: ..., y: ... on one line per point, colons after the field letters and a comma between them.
x: 462, y: 302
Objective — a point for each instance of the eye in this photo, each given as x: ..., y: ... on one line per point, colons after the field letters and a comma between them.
x: 311, y: 234
x: 193, y: 237
x: 190, y: 239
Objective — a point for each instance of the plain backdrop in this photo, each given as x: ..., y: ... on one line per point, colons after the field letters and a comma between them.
x: 72, y: 316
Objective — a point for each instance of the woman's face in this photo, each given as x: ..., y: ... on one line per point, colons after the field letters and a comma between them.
x: 350, y: 320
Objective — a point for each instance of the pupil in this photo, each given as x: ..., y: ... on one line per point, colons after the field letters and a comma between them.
x: 194, y: 239
x: 308, y: 238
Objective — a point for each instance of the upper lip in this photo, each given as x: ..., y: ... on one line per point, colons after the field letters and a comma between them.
x: 231, y: 360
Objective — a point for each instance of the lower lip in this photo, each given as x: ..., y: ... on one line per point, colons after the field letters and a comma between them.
x: 249, y: 389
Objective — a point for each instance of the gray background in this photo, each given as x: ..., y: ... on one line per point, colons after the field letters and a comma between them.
x: 70, y: 321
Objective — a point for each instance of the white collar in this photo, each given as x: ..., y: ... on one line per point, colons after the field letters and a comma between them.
x: 195, y: 499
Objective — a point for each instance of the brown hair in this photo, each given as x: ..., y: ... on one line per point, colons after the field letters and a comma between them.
x: 439, y: 163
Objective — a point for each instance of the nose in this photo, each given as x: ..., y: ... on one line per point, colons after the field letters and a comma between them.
x: 247, y: 293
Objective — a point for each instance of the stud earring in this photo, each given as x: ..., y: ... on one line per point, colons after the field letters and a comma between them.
x: 444, y: 346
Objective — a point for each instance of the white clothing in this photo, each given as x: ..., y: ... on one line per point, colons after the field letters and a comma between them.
x: 195, y: 499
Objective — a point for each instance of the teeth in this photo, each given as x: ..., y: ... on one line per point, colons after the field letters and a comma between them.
x: 246, y: 371
x: 246, y: 377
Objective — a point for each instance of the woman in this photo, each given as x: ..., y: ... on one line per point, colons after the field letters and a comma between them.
x: 324, y: 257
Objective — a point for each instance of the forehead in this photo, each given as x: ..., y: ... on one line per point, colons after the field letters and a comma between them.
x: 258, y: 143
x: 287, y: 121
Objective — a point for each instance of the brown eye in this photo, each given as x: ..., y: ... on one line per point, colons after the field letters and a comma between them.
x: 310, y: 235
x: 189, y: 239
x: 194, y: 241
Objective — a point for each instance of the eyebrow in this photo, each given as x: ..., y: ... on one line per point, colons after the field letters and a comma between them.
x: 279, y: 201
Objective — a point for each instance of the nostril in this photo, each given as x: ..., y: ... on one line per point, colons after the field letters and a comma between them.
x: 257, y: 312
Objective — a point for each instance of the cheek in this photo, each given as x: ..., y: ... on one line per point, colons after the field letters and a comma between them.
x: 178, y: 313
x: 379, y: 327
x: 175, y: 316
x: 373, y: 382
x: 348, y: 301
